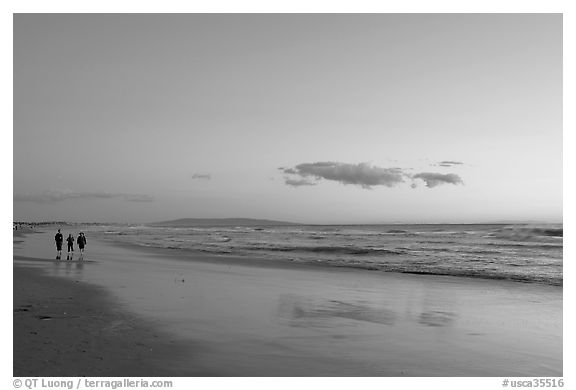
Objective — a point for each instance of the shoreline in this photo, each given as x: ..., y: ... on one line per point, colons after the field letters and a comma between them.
x: 223, y: 316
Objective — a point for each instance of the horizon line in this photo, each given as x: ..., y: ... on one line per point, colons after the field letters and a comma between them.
x: 496, y: 222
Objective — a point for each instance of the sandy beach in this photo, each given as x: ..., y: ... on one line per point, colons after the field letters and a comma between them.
x: 147, y: 312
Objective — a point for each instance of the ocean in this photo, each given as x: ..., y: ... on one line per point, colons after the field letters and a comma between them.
x: 519, y: 252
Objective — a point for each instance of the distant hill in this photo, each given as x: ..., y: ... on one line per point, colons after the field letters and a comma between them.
x: 192, y: 222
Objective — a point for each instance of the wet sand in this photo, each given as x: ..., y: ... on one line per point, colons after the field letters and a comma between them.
x: 179, y: 313
x: 65, y: 328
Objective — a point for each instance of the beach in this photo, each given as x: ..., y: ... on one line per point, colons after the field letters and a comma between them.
x: 133, y: 311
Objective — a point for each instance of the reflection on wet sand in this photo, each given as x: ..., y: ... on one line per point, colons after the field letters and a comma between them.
x: 437, y: 318
x: 299, y: 309
x: 68, y: 268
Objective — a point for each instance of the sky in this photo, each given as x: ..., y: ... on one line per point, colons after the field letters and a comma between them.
x: 314, y: 118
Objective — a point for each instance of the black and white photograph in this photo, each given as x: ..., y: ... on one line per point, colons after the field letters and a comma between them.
x: 288, y: 195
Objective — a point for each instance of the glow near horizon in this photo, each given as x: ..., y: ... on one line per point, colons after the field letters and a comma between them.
x: 140, y: 118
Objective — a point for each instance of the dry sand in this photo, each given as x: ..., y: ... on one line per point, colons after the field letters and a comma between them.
x: 151, y: 312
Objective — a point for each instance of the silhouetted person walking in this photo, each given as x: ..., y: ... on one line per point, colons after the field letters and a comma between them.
x: 59, y: 238
x: 70, y: 241
x: 81, y: 241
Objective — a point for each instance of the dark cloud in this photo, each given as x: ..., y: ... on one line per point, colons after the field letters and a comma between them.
x: 299, y: 182
x: 201, y: 176
x: 363, y: 175
x: 435, y: 179
x: 52, y: 196
x: 449, y: 163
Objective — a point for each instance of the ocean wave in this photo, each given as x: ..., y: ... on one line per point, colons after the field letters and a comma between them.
x: 528, y: 233
x: 527, y: 245
x: 527, y: 253
x: 559, y: 232
x: 554, y: 281
x: 436, y: 269
x: 348, y: 250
